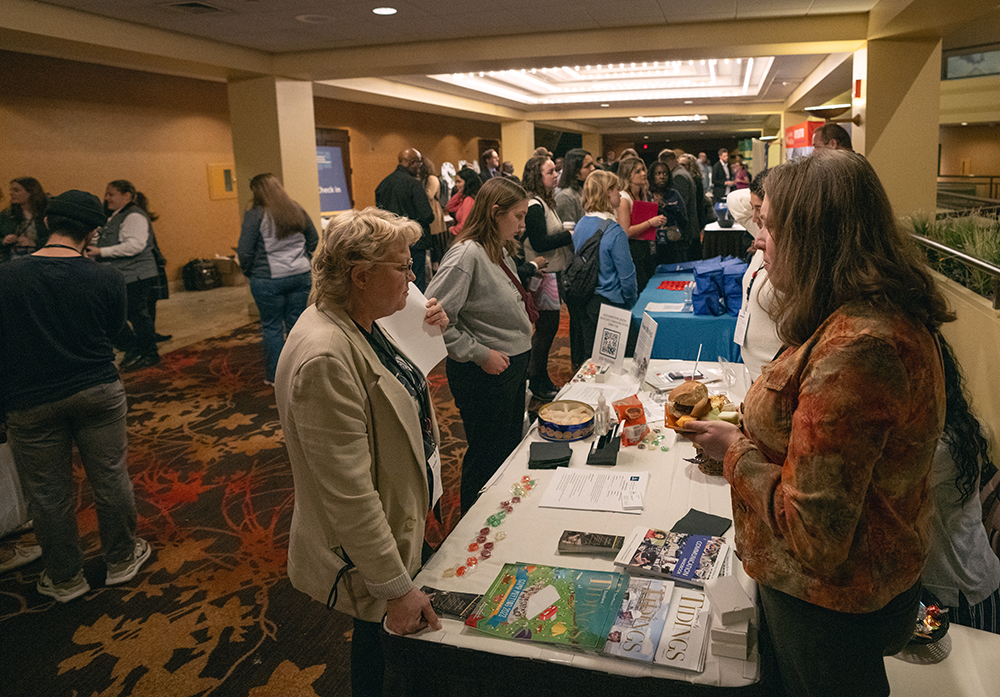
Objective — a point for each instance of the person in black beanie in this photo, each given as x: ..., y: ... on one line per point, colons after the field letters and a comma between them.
x: 59, y: 386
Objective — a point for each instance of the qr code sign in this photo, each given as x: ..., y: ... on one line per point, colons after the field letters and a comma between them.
x: 609, y: 343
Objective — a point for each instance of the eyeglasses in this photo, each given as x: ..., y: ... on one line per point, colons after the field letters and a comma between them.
x: 404, y: 268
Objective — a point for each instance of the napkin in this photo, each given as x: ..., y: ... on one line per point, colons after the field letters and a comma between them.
x: 700, y: 523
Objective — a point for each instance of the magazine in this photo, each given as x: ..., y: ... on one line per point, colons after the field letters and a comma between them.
x: 640, y: 620
x: 549, y: 604
x: 684, y: 642
x: 683, y: 557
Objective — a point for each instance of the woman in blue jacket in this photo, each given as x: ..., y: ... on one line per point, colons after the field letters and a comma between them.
x: 616, y: 279
x: 277, y: 241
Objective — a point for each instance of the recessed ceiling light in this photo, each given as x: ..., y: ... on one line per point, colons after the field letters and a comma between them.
x: 385, y: 11
x: 605, y: 105
x: 965, y: 123
x: 689, y: 101
x: 314, y: 19
x: 667, y: 119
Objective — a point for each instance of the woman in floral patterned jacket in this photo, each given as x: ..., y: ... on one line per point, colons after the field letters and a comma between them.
x: 830, y: 472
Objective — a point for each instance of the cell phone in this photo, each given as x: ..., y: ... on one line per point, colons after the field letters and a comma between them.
x: 676, y: 375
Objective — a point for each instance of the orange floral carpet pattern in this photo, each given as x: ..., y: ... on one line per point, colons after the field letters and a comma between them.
x: 212, y: 612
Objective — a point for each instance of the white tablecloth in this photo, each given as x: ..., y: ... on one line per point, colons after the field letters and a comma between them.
x: 533, y: 533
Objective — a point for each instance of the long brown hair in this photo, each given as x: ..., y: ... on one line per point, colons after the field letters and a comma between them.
x: 269, y: 194
x: 626, y: 168
x: 37, y: 199
x: 837, y: 241
x: 532, y: 180
x: 481, y: 225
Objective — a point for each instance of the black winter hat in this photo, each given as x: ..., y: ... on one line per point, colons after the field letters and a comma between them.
x: 79, y: 206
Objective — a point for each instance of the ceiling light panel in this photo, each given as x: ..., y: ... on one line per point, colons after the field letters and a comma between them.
x: 616, y: 82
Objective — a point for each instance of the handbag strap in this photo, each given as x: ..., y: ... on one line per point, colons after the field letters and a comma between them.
x: 529, y: 302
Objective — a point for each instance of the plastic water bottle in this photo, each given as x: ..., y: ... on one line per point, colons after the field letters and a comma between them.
x: 688, y: 296
x: 601, y: 416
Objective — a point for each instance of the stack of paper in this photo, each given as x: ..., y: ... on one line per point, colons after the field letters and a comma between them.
x: 733, y: 611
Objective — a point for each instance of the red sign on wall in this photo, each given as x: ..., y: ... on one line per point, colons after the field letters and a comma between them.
x: 801, y: 135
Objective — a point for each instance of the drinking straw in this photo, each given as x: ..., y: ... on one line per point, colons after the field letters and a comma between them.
x: 695, y: 371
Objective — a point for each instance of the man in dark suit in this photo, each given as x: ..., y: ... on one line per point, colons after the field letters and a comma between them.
x: 489, y: 165
x: 722, y: 180
x: 401, y: 193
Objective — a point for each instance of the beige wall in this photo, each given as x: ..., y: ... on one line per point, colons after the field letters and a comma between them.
x: 974, y: 337
x: 379, y: 133
x: 78, y: 126
x: 979, y: 145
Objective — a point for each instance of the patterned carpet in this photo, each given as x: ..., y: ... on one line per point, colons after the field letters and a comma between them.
x: 212, y: 613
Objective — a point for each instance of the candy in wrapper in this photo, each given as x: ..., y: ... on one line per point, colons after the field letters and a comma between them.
x: 633, y: 419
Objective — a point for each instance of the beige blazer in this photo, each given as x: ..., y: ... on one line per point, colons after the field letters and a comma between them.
x: 354, y: 441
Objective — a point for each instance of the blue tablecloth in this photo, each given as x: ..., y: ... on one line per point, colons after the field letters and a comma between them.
x: 678, y: 334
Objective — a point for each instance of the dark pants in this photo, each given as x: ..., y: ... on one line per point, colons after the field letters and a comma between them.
x: 642, y: 257
x: 672, y: 252
x: 492, y: 409
x: 41, y: 440
x: 577, y: 334
x: 367, y: 659
x: 546, y: 327
x: 828, y: 653
x: 140, y: 338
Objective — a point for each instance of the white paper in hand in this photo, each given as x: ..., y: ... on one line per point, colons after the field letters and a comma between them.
x: 422, y: 343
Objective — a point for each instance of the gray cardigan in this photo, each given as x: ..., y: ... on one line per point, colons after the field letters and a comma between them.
x: 485, y: 311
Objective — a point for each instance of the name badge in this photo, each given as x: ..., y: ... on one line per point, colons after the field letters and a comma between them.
x: 435, y: 464
x: 742, y: 320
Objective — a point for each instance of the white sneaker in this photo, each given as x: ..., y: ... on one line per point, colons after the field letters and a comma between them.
x: 65, y: 591
x: 23, y: 554
x: 126, y: 570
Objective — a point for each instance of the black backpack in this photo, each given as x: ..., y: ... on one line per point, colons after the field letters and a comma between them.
x: 580, y: 277
x: 200, y: 274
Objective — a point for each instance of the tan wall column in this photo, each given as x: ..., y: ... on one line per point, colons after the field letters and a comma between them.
x: 517, y: 141
x: 594, y: 144
x: 900, y: 105
x: 274, y: 130
x: 788, y: 119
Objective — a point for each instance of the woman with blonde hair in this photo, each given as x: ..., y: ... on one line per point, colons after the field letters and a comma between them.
x: 616, y: 281
x: 634, y: 186
x: 831, y: 472
x: 276, y: 244
x: 362, y: 438
x: 489, y: 331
